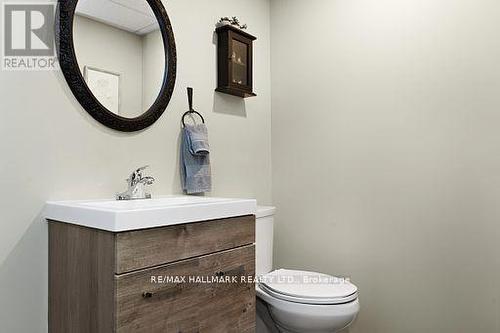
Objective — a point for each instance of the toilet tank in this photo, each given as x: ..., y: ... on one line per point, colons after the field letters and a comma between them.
x: 264, y: 239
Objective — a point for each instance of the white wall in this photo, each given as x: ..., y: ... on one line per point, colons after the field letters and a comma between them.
x: 386, y: 163
x: 52, y: 149
x: 111, y: 49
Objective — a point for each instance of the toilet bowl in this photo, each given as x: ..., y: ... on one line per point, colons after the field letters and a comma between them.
x: 295, y: 301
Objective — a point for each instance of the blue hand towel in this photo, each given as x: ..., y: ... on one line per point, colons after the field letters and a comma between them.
x: 198, y: 135
x: 195, y: 160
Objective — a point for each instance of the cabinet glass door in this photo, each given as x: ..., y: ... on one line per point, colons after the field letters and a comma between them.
x: 239, y: 60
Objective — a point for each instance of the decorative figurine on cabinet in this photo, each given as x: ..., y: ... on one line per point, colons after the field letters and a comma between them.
x: 235, y: 58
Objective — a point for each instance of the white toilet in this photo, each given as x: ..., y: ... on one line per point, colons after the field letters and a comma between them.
x: 291, y: 301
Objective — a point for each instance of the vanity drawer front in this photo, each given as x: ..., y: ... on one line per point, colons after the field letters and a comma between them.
x: 152, y: 247
x: 175, y: 307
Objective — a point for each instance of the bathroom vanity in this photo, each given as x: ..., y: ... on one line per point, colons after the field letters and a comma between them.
x: 150, y: 265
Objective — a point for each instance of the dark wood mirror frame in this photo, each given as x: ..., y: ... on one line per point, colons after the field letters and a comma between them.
x: 69, y: 66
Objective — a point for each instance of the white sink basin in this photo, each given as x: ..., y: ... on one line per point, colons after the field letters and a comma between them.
x: 117, y: 216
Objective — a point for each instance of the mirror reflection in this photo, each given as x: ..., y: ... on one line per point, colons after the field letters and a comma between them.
x: 120, y: 53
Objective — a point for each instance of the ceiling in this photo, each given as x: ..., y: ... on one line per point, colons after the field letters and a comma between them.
x: 134, y: 16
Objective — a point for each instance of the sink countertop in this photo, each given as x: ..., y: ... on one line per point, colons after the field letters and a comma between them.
x: 118, y: 216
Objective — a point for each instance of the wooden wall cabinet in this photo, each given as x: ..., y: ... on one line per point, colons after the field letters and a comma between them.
x: 235, y: 62
x: 101, y: 282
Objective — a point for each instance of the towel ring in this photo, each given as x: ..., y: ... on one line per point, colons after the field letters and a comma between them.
x: 191, y: 110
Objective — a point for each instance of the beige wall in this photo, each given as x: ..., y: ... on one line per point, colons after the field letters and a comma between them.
x: 52, y: 149
x: 386, y: 163
x: 153, y: 63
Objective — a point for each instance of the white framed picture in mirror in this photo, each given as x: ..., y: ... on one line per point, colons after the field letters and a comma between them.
x: 105, y: 86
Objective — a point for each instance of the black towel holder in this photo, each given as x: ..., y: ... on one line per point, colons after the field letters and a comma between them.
x: 191, y: 110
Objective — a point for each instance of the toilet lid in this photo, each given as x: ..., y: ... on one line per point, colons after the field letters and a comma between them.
x: 308, y: 287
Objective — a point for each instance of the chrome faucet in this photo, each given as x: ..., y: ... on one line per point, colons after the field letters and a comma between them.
x: 136, y: 186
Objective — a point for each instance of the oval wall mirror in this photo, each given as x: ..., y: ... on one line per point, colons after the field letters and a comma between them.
x: 119, y: 59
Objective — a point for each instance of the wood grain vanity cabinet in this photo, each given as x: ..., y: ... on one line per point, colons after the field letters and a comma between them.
x: 103, y: 282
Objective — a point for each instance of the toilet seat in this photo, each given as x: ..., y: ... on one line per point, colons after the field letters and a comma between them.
x: 312, y: 301
x: 308, y: 287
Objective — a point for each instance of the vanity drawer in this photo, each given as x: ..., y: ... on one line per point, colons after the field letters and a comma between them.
x: 143, y: 306
x: 152, y: 247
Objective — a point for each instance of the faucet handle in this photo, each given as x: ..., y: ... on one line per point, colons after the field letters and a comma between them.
x: 136, y: 175
x: 141, y: 169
